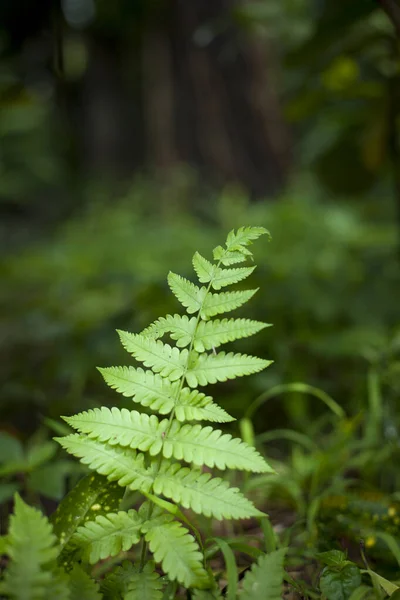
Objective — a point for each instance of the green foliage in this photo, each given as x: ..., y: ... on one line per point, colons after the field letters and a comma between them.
x: 32, y: 550
x: 340, y: 578
x: 264, y: 581
x: 140, y: 451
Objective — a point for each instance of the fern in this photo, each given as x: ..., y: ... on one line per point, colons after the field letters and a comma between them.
x: 264, y: 581
x: 107, y: 536
x: 145, y: 453
x: 145, y: 585
x: 82, y: 586
x: 176, y: 550
x: 32, y: 550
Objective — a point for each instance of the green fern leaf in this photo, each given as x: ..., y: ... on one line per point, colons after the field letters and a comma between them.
x: 228, y: 258
x: 123, y: 465
x: 243, y: 237
x: 121, y: 427
x: 236, y: 245
x: 188, y: 294
x: 180, y: 327
x: 211, y: 334
x: 225, y: 277
x: 147, y: 388
x: 82, y: 586
x: 93, y: 495
x: 175, y: 548
x: 210, y: 368
x: 32, y: 549
x: 207, y: 272
x: 107, y: 535
x: 204, y: 495
x: 210, y: 447
x: 193, y: 405
x: 264, y: 581
x: 162, y: 358
x: 116, y: 583
x: 204, y: 269
x: 146, y: 585
x: 215, y: 304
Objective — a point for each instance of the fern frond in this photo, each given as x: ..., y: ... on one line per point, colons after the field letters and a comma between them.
x: 82, y: 586
x: 205, y: 270
x: 162, y: 358
x: 219, y: 278
x: 264, y: 581
x: 204, y: 495
x: 144, y: 386
x: 122, y: 465
x: 188, y: 294
x: 228, y: 258
x: 175, y: 548
x: 180, y: 327
x: 121, y: 427
x: 146, y: 585
x: 210, y: 447
x: 215, y: 304
x: 244, y: 236
x: 107, y: 535
x: 32, y: 548
x: 93, y: 495
x: 236, y: 245
x: 211, y: 334
x: 193, y: 405
x: 210, y: 368
x: 116, y: 583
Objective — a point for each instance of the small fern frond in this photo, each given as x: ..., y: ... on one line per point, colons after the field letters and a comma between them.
x: 188, y: 294
x: 107, y: 535
x: 175, y: 548
x: 244, y: 236
x: 162, y: 358
x: 207, y: 272
x: 203, y: 494
x: 211, y: 334
x: 210, y: 368
x: 216, y: 304
x: 144, y: 386
x: 264, y: 581
x: 82, y: 586
x: 207, y: 595
x: 193, y: 405
x: 146, y: 585
x: 123, y: 465
x: 116, y: 583
x: 236, y: 250
x: 180, y: 328
x: 211, y: 447
x: 32, y: 549
x: 121, y: 427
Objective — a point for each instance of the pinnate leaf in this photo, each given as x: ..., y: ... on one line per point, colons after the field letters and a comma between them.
x: 210, y: 368
x: 211, y: 334
x: 162, y: 358
x: 144, y: 386
x: 203, y: 494
x: 175, y: 548
x: 215, y: 304
x: 265, y: 579
x: 107, y: 535
x: 188, y: 294
x: 32, y: 549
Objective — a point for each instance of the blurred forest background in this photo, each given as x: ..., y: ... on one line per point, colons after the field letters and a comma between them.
x: 134, y: 132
